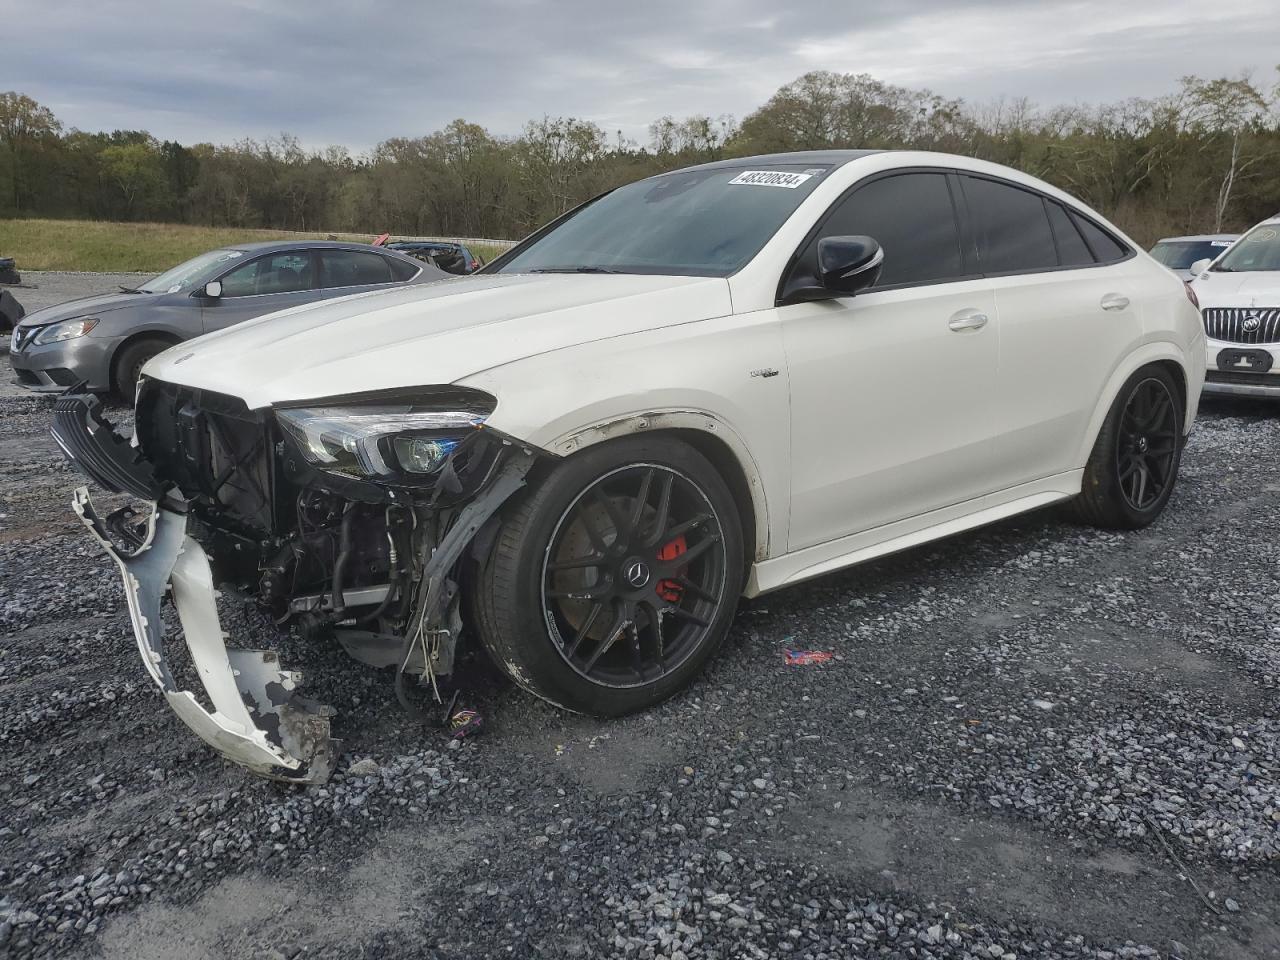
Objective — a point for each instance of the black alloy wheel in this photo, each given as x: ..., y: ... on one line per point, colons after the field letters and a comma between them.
x: 1147, y: 443
x: 613, y: 579
x: 634, y: 575
x: 1131, y: 471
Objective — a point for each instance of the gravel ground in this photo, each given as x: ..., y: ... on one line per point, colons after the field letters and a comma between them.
x: 1034, y: 741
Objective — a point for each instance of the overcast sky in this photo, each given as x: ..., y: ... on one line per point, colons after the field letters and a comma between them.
x: 355, y: 72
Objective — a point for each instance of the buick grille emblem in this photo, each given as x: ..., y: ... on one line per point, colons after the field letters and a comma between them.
x: 637, y: 573
x: 1252, y: 322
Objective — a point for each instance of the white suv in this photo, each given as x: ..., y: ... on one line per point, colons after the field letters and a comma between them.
x: 715, y: 382
x: 1239, y: 295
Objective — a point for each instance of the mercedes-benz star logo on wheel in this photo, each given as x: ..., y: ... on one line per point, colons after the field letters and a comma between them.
x: 637, y: 573
x: 1252, y: 322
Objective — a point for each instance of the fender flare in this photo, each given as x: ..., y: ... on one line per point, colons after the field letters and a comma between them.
x: 162, y: 334
x: 698, y: 421
x: 1149, y: 353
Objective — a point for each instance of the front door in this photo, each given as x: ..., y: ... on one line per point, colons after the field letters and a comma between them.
x: 270, y: 283
x: 893, y: 391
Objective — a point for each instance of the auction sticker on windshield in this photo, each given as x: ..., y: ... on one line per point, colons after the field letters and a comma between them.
x: 771, y: 178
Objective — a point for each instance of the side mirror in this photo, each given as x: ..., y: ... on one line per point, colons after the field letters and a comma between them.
x: 1200, y: 266
x: 845, y: 266
x: 213, y: 289
x: 848, y: 264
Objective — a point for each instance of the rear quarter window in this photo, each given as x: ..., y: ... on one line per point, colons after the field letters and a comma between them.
x: 403, y: 271
x: 1105, y: 247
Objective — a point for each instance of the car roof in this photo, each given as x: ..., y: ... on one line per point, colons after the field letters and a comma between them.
x: 832, y: 158
x: 266, y: 246
x: 1200, y: 237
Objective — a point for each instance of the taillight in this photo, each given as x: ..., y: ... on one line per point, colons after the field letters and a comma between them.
x: 1191, y: 294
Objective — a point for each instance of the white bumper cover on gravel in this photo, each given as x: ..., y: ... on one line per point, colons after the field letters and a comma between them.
x: 257, y: 720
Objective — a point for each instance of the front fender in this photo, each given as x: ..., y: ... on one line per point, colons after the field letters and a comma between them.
x: 648, y: 421
x: 724, y: 378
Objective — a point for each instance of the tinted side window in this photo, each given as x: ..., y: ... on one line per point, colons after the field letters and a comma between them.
x: 1072, y: 250
x: 1011, y: 227
x: 913, y: 219
x: 279, y: 273
x: 1106, y: 248
x: 402, y: 271
x: 353, y: 268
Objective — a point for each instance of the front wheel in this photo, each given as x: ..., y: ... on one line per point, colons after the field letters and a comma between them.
x: 1134, y: 464
x: 128, y: 366
x: 615, y: 578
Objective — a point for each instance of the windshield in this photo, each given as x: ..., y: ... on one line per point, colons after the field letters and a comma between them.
x: 1181, y: 254
x: 705, y: 223
x: 192, y: 273
x: 1257, y: 250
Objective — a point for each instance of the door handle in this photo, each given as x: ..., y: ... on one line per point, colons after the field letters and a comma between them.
x: 967, y: 320
x: 1114, y: 301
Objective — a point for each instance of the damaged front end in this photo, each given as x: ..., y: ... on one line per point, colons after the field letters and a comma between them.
x: 347, y: 520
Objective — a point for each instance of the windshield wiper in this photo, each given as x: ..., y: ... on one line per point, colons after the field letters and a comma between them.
x: 573, y: 270
x: 131, y: 290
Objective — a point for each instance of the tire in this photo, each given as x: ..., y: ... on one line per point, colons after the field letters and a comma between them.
x: 128, y: 365
x: 1133, y: 466
x: 535, y: 596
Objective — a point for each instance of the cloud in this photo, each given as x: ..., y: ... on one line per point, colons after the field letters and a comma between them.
x: 355, y: 72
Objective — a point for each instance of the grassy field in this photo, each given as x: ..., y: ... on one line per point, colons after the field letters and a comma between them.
x: 131, y: 247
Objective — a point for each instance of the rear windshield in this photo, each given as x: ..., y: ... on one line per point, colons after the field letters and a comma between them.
x: 1181, y: 254
x: 1256, y: 251
x: 688, y: 223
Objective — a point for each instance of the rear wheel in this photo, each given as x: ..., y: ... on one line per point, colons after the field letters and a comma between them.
x: 1134, y: 464
x: 614, y: 580
x: 129, y: 363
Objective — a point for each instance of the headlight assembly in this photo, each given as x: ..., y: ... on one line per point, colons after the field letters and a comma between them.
x: 381, y: 442
x: 65, y: 330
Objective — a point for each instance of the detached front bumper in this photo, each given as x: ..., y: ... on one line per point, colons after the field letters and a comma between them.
x: 256, y: 719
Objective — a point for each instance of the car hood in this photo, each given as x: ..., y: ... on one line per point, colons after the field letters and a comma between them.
x: 84, y: 307
x: 433, y: 334
x: 1260, y: 288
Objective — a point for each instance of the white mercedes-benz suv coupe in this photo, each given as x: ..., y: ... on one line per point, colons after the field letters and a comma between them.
x: 1239, y: 294
x: 711, y: 383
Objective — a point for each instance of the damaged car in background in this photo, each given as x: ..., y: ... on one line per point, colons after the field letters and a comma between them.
x: 712, y: 383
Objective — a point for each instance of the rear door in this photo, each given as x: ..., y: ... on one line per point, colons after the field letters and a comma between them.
x: 893, y: 391
x: 1069, y: 309
x: 276, y: 281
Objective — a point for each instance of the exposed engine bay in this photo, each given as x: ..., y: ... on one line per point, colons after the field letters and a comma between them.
x: 346, y: 522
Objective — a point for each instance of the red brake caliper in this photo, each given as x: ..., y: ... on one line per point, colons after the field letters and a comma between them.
x: 669, y: 590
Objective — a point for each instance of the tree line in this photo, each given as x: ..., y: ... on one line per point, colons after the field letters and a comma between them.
x: 1202, y: 158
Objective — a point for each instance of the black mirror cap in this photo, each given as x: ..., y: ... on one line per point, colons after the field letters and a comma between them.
x: 847, y: 265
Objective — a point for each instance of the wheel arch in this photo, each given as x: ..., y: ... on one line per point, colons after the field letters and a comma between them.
x: 166, y: 337
x: 711, y: 437
x: 1163, y: 354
